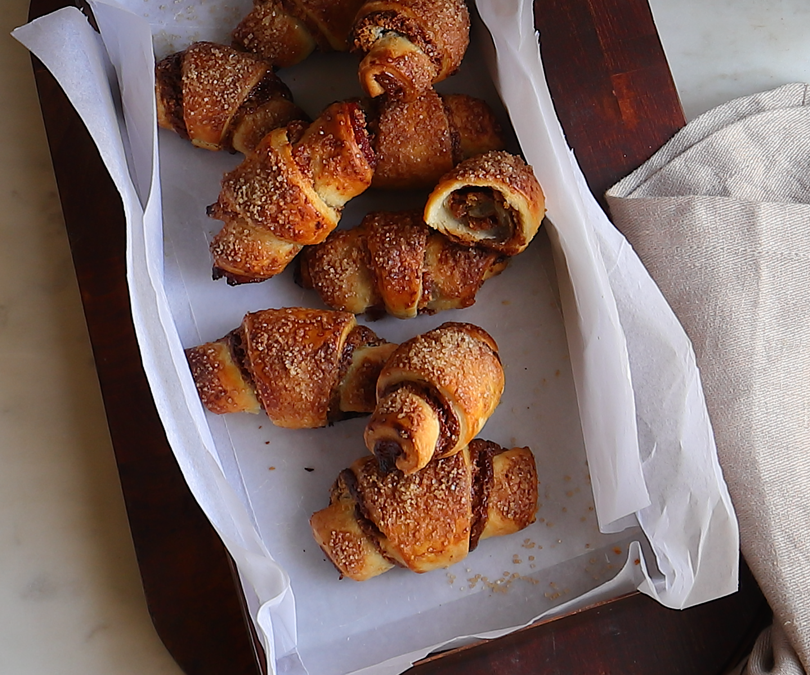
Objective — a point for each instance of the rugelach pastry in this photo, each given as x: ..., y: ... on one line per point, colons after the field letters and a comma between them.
x: 305, y: 368
x: 409, y: 45
x: 392, y: 262
x: 491, y: 200
x: 434, y: 394
x: 418, y: 142
x: 221, y: 99
x: 427, y: 520
x: 285, y: 32
x: 289, y: 192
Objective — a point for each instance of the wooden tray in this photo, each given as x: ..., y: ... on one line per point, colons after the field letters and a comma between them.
x: 617, y: 102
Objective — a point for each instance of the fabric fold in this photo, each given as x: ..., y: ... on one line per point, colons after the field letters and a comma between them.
x: 719, y: 218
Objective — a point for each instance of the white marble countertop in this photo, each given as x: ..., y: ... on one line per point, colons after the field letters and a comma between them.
x: 70, y: 593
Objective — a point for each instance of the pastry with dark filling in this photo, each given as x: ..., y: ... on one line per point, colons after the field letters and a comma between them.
x: 427, y: 520
x: 491, y: 200
x: 409, y: 45
x: 392, y: 262
x: 285, y: 32
x: 434, y: 395
x: 221, y: 99
x: 418, y: 142
x: 290, y: 192
x: 305, y: 368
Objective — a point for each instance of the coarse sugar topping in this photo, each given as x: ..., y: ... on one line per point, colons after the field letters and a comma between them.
x: 347, y: 552
x: 216, y: 80
x: 295, y: 357
x: 460, y: 360
x: 514, y: 489
x: 268, y: 191
x: 424, y: 514
x: 499, y: 169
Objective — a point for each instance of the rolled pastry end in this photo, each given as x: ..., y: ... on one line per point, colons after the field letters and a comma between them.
x: 219, y: 379
x: 341, y: 538
x: 403, y: 431
x: 476, y: 125
x: 338, y: 149
x: 512, y: 500
x: 274, y: 34
x: 257, y: 123
x: 169, y: 94
x: 244, y: 253
x: 210, y: 94
x: 491, y: 200
x: 396, y: 67
x: 338, y: 270
x: 358, y: 388
x: 458, y: 272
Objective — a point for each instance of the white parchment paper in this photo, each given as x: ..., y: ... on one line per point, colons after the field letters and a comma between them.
x: 601, y: 380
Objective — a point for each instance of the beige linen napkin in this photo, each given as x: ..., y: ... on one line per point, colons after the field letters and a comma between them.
x: 721, y: 218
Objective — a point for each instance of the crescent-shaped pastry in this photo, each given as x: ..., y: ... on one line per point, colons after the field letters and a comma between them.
x: 427, y: 520
x: 417, y: 142
x: 304, y: 367
x: 221, y: 99
x: 290, y: 192
x: 409, y: 45
x: 285, y: 32
x: 434, y: 395
x: 392, y: 262
x: 491, y: 200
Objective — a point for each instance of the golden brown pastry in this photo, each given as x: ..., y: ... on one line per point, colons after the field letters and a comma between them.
x: 221, y: 99
x: 290, y: 192
x: 304, y: 367
x: 417, y: 142
x: 434, y: 395
x: 492, y: 200
x: 285, y: 32
x: 392, y: 262
x: 427, y: 520
x: 409, y: 45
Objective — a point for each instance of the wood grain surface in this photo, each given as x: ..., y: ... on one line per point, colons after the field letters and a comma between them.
x: 610, y: 83
x: 617, y: 103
